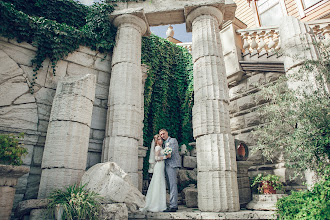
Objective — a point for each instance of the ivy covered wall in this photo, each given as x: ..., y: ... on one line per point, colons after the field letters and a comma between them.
x: 59, y: 27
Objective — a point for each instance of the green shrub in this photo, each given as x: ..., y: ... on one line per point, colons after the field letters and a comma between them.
x: 11, y: 151
x: 313, y: 204
x: 77, y: 202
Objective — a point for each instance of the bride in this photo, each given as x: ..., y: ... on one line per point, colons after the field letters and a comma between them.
x: 156, y: 195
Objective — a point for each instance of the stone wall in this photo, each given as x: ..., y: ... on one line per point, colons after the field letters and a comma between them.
x: 245, y: 99
x: 21, y: 111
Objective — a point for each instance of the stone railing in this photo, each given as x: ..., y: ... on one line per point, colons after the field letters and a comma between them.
x: 321, y: 29
x: 188, y: 46
x: 260, y: 41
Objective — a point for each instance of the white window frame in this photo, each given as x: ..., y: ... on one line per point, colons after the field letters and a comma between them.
x: 303, y: 11
x: 255, y: 9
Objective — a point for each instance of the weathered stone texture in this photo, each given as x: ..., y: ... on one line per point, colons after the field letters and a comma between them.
x: 66, y: 147
x: 190, y: 197
x: 113, y: 184
x: 22, y: 117
x: 57, y: 178
x: 210, y: 117
x: 215, y: 151
x: 6, y: 203
x: 12, y: 89
x: 264, y: 201
x: 124, y: 117
x: 114, y: 211
x: 20, y: 55
x: 189, y: 162
x: 224, y: 185
x: 37, y: 214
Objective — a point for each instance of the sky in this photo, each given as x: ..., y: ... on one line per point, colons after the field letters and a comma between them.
x: 179, y: 29
x: 179, y: 32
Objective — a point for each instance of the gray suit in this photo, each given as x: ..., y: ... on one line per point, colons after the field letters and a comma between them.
x: 172, y: 166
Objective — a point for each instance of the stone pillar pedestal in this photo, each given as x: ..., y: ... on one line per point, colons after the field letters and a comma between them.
x: 8, y: 180
x: 65, y: 154
x: 125, y: 116
x: 142, y: 155
x: 265, y: 202
x: 244, y: 189
x: 216, y: 158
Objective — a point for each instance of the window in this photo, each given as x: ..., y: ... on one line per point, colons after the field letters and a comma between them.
x: 306, y: 7
x: 270, y: 12
x: 309, y: 3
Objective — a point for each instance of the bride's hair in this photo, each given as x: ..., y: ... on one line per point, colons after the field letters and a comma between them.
x: 157, y: 141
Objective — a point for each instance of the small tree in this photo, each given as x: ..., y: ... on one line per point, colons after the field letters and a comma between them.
x: 297, y: 122
x: 11, y: 151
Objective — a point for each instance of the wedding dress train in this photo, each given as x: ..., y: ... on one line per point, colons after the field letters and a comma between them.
x: 156, y: 195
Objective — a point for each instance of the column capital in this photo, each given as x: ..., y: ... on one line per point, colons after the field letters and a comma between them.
x: 129, y: 16
x: 221, y: 11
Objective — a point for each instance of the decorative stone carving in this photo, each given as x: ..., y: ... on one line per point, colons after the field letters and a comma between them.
x: 125, y: 115
x: 66, y: 147
x: 113, y: 184
x: 216, y: 162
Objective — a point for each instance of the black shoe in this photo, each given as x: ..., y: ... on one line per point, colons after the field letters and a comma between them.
x: 170, y: 210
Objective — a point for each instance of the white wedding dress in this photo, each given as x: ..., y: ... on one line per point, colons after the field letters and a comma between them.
x: 156, y: 195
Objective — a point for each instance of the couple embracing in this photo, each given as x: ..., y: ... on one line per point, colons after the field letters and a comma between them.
x: 166, y: 161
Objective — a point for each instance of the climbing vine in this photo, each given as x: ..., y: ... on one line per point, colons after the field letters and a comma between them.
x: 168, y: 91
x: 58, y: 27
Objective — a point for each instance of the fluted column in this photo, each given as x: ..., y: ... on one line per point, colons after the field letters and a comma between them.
x: 216, y: 161
x: 124, y: 117
x: 65, y: 153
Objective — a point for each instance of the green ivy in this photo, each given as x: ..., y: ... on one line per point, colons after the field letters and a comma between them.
x: 168, y: 91
x: 82, y: 25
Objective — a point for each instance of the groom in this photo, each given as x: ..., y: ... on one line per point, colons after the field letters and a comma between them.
x: 172, y: 165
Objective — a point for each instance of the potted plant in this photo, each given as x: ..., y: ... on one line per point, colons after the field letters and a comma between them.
x: 11, y: 152
x: 74, y: 202
x: 267, y: 184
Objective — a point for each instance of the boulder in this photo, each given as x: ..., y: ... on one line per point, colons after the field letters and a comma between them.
x: 184, y: 150
x: 186, y: 177
x: 25, y: 207
x: 113, y: 184
x: 190, y: 195
x: 190, y: 162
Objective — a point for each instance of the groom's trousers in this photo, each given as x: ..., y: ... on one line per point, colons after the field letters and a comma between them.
x: 172, y: 174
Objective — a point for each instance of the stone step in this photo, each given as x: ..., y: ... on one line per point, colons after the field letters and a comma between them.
x: 191, y: 213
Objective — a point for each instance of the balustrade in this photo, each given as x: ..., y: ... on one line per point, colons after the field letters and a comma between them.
x: 188, y: 46
x: 260, y: 41
x: 321, y: 29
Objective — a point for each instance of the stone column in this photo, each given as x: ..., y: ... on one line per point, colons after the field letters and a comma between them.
x: 216, y: 161
x: 125, y: 116
x: 297, y: 39
x: 65, y: 154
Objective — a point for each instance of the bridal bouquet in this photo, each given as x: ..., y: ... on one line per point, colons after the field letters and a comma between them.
x: 167, y: 149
